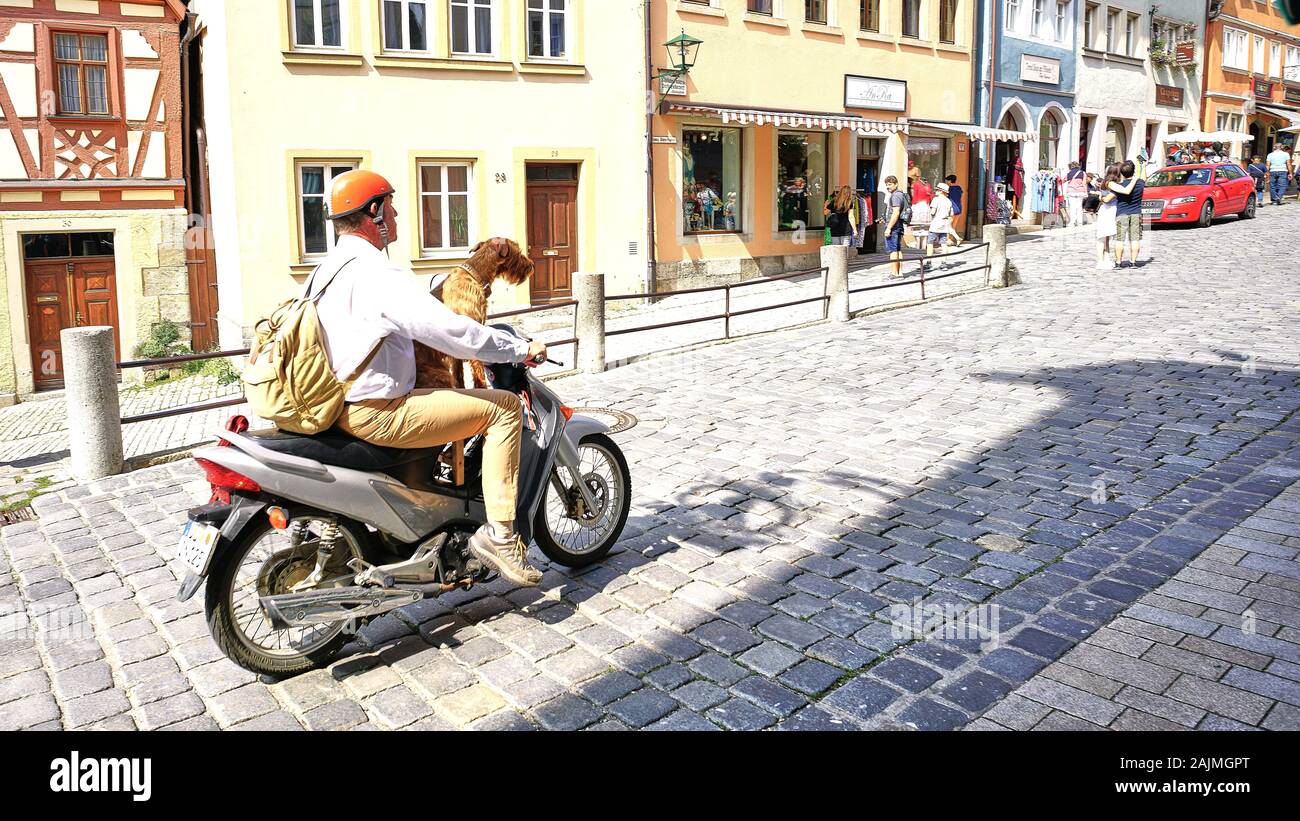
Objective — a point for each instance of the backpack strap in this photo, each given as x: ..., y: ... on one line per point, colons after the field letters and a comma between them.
x: 307, y: 294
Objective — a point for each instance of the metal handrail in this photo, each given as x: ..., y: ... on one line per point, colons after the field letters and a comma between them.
x: 223, y: 403
x: 727, y: 286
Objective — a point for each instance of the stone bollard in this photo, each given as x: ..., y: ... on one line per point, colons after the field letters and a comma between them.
x: 94, y: 417
x: 995, y: 234
x: 589, y: 291
x: 835, y: 259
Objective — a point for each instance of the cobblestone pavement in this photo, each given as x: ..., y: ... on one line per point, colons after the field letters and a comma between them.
x: 1061, y: 450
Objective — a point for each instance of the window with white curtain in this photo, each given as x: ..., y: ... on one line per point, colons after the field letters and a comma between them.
x: 1275, y: 59
x: 1258, y: 65
x: 81, y: 61
x: 1234, y: 49
x: 472, y: 27
x: 406, y: 25
x: 317, y: 24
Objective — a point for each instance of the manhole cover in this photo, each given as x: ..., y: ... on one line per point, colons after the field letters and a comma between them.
x: 22, y: 514
x: 617, y: 420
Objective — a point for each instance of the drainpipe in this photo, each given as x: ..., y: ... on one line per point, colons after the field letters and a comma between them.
x: 1205, y: 70
x: 988, y: 111
x: 191, y: 30
x: 650, y: 158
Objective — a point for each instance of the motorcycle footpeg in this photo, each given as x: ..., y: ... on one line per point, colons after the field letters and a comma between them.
x: 313, y: 607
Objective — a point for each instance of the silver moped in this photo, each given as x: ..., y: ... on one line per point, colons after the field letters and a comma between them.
x: 306, y: 538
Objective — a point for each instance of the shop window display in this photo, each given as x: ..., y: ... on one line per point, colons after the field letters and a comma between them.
x: 929, y: 154
x: 711, y: 179
x: 800, y: 180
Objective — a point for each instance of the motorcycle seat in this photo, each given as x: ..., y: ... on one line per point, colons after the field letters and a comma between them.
x: 334, y: 447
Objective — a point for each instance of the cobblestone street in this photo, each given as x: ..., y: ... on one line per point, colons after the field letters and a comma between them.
x: 1109, y: 457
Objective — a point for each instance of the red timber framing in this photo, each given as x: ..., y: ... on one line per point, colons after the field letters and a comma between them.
x: 131, y: 157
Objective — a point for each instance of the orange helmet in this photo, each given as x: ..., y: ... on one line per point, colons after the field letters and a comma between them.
x: 355, y: 190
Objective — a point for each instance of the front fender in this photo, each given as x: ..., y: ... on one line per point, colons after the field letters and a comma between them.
x: 241, y: 514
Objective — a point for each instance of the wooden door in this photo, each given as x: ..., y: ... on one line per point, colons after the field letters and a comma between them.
x: 552, y: 230
x: 66, y: 294
x: 200, y: 259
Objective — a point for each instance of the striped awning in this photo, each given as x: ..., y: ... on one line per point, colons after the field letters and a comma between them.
x: 1292, y: 116
x: 796, y: 119
x: 979, y: 132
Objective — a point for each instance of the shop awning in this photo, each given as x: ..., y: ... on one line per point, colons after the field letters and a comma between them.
x: 979, y: 132
x: 1292, y: 117
x: 804, y: 119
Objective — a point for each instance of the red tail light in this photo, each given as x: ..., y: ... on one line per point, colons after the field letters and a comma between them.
x: 226, y: 479
x: 567, y: 411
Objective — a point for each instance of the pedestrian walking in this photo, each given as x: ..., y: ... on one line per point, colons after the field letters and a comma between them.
x: 839, y: 216
x: 1106, y: 216
x: 921, y: 194
x: 897, y: 210
x: 954, y: 196
x: 1259, y: 173
x: 940, y: 221
x: 1128, y: 213
x: 1076, y: 188
x: 1279, y: 173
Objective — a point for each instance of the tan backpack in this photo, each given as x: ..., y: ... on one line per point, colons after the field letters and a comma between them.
x: 288, y: 379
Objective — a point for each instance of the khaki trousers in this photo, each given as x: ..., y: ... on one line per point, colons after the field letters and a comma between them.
x: 425, y: 418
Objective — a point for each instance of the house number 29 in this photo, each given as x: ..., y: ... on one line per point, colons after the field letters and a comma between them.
x: 501, y: 178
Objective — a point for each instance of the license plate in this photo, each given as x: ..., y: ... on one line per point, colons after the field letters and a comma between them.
x: 1152, y: 209
x: 197, y: 543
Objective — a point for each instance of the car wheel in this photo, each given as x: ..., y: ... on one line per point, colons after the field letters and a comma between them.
x: 1207, y: 215
x: 1248, y: 213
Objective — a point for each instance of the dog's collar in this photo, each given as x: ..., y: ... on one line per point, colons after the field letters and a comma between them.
x: 469, y: 269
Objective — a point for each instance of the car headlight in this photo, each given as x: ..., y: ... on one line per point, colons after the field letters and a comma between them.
x: 1182, y: 200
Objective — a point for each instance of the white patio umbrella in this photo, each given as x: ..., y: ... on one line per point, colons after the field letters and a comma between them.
x: 1191, y: 135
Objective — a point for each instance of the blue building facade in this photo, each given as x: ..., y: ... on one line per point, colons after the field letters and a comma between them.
x: 1026, y: 53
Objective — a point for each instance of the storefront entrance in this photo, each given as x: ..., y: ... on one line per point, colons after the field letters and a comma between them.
x: 552, y: 192
x: 867, y: 184
x: 71, y: 281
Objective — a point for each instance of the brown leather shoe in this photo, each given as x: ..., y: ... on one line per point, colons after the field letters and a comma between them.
x: 509, y: 557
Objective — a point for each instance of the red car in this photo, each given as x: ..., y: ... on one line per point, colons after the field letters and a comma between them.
x: 1198, y: 193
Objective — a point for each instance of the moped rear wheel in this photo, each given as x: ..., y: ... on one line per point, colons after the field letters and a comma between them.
x: 566, y: 531
x: 262, y: 562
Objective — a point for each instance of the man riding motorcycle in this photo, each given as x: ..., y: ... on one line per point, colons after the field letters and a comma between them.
x: 371, y: 301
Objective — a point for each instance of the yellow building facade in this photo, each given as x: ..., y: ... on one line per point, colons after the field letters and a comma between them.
x: 789, y: 100
x: 514, y: 118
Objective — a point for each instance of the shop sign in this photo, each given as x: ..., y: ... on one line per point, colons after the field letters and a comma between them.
x: 1263, y: 88
x: 1171, y: 96
x: 665, y: 140
x: 670, y: 85
x: 875, y: 93
x: 1040, y: 69
x: 1185, y: 52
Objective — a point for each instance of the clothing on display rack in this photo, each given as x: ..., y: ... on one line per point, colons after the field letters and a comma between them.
x: 1043, y: 189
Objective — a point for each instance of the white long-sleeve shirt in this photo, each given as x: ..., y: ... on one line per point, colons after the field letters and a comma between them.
x: 371, y: 297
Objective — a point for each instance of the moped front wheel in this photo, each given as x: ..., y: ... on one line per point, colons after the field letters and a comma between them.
x: 565, y: 528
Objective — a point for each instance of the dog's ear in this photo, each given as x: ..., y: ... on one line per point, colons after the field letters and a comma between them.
x: 476, y: 248
x: 501, y: 245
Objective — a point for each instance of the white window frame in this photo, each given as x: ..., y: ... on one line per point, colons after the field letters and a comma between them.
x: 327, y: 180
x: 567, y: 14
x: 1258, y: 55
x: 1013, y: 10
x: 1038, y: 11
x: 1275, y: 60
x: 471, y: 226
x: 1132, y: 34
x: 1090, y: 12
x: 1061, y: 27
x: 1236, y: 49
x: 494, y: 20
x: 317, y: 27
x: 1292, y: 59
x: 1112, y: 30
x: 405, y: 47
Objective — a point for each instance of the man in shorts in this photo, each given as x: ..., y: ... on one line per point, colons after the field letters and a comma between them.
x: 1128, y: 213
x: 894, y: 225
x: 940, y: 221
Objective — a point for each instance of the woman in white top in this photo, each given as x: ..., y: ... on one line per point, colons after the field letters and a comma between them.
x: 1106, y: 227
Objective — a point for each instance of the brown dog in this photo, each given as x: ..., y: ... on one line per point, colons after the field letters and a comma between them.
x: 466, y: 292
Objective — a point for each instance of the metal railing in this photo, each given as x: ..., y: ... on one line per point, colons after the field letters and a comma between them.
x: 727, y: 314
x: 239, y: 400
x: 923, y: 264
